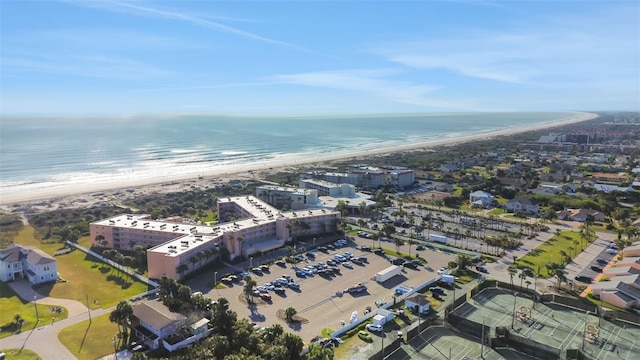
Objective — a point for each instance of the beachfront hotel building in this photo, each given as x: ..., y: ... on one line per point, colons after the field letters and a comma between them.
x: 247, y: 226
x: 327, y: 188
x: 294, y: 198
x: 367, y: 177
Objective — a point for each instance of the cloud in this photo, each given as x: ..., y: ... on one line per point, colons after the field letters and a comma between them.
x: 538, y: 52
x: 201, y: 21
x: 104, y: 67
x: 376, y: 83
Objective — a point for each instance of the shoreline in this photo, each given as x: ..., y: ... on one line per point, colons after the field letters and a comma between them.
x: 243, y: 171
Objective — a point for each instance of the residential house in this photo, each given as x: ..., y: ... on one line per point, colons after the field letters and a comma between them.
x: 480, y: 199
x: 448, y: 168
x: 631, y: 251
x: 157, y: 326
x: 20, y: 262
x: 621, y: 291
x: 621, y: 271
x: 522, y: 204
x: 512, y: 182
x: 418, y: 303
x: 607, y: 188
x: 580, y: 215
x: 633, y: 261
x: 616, y: 178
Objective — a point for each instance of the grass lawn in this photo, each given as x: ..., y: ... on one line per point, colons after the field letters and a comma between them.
x: 549, y: 252
x: 11, y: 304
x: 24, y: 354
x: 85, y: 276
x: 90, y: 341
x: 497, y: 211
x: 465, y: 277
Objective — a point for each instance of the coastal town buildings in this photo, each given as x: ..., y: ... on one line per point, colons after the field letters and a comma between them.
x: 294, y: 198
x: 367, y: 177
x: 247, y: 226
x: 155, y: 325
x: 21, y: 262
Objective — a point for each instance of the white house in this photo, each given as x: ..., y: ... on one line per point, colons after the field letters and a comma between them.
x: 19, y: 262
x: 480, y: 199
x: 418, y: 303
x: 155, y: 325
x: 522, y: 204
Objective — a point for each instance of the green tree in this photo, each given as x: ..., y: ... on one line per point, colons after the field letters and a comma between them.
x: 249, y: 284
x: 463, y: 261
x: 121, y: 315
x: 289, y: 313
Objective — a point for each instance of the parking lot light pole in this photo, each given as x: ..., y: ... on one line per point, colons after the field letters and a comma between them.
x: 215, y: 279
x: 513, y: 320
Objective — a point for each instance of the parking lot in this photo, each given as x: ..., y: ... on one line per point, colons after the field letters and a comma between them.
x: 550, y: 324
x: 322, y: 300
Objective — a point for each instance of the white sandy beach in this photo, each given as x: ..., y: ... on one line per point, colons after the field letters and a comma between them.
x: 81, y: 195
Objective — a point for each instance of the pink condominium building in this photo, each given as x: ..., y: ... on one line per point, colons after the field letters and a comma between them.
x: 247, y: 226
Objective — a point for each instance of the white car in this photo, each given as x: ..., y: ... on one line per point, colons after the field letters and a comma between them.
x: 443, y: 271
x: 612, y: 251
x: 347, y: 265
x: 374, y: 327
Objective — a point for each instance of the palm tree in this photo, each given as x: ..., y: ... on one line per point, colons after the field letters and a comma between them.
x: 528, y: 283
x: 559, y: 274
x: 411, y: 242
x: 121, y: 316
x: 522, y: 276
x: 249, y: 283
x: 398, y: 242
x: 512, y: 272
x: 289, y: 313
x: 362, y: 207
x: 18, y: 320
x: 463, y: 261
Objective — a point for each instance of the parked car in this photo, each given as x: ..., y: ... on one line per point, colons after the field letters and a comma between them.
x: 596, y: 268
x: 527, y: 272
x: 482, y: 269
x: 301, y: 273
x: 378, y: 251
x: 279, y: 290
x: 139, y: 347
x: 265, y: 296
x: 443, y: 271
x: 584, y: 279
x: 364, y: 336
x: 294, y: 285
x: 374, y: 327
x: 347, y: 265
x: 436, y: 289
x: 410, y: 264
x: 398, y: 261
x: 365, y: 248
x: 602, y: 261
x: 420, y: 247
x: 324, y: 249
x: 281, y: 263
x: 612, y: 251
x: 331, y: 262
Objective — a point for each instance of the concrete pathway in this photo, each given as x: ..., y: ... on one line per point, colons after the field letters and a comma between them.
x: 27, y: 293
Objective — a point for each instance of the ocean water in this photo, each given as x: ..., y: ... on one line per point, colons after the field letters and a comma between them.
x: 39, y: 152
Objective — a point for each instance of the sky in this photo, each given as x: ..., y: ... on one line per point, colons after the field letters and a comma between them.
x: 317, y: 57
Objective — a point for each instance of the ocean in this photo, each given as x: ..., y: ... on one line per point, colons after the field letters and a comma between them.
x: 46, y: 152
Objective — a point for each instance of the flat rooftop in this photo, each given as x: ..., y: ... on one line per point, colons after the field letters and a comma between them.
x: 143, y: 223
x: 183, y: 244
